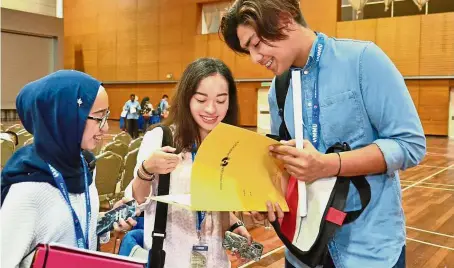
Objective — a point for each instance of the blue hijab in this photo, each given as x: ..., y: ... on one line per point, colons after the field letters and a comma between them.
x: 54, y: 109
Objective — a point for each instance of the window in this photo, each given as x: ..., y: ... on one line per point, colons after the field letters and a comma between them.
x: 211, y: 16
x: 53, y: 8
x: 441, y: 6
x: 376, y: 9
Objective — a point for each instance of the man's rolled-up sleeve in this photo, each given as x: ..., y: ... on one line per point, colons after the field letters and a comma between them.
x: 391, y: 111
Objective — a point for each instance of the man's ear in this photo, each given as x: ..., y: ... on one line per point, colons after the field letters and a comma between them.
x: 286, y: 21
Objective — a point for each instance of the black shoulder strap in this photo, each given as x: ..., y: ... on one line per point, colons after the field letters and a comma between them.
x: 360, y: 183
x: 156, y: 257
x: 281, y: 83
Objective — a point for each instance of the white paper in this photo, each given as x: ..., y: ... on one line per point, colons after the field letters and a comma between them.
x: 132, y: 110
x: 182, y: 200
x: 298, y: 122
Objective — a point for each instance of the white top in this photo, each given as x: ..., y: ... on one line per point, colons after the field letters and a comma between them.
x: 36, y: 212
x: 181, y: 230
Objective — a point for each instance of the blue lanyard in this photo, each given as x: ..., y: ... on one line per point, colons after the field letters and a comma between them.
x: 200, y: 214
x: 81, y: 240
x: 315, y: 126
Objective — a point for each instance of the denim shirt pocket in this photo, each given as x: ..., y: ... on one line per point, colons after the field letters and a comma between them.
x: 341, y: 118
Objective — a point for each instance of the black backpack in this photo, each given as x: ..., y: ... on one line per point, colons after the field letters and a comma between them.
x: 318, y: 252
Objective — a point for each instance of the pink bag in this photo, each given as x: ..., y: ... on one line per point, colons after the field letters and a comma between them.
x: 57, y: 256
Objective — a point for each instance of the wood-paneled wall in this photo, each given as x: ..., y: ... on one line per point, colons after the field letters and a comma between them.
x: 119, y: 94
x: 431, y: 98
x: 141, y: 40
x: 418, y: 46
x: 145, y: 40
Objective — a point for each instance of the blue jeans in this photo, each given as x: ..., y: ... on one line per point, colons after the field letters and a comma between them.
x: 131, y: 239
x: 400, y: 262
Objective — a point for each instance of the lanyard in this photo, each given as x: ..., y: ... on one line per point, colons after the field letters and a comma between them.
x: 200, y: 214
x: 81, y: 240
x: 315, y: 126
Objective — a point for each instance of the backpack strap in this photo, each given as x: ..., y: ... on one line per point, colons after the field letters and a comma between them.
x: 363, y: 187
x: 360, y: 183
x: 281, y: 84
x: 157, y: 255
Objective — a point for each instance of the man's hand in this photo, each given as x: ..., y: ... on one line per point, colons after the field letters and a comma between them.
x: 306, y: 164
x: 270, y: 214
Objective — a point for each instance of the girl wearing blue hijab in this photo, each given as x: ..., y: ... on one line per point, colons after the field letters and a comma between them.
x: 48, y: 193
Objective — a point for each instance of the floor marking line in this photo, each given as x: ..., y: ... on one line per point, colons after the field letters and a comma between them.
x: 427, y: 178
x: 263, y: 256
x: 429, y: 232
x: 429, y: 244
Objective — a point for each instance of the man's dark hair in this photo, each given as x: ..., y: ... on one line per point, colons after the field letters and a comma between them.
x: 132, y: 95
x: 165, y: 96
x: 263, y: 16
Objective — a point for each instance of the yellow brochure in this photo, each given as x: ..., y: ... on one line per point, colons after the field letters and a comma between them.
x: 233, y: 171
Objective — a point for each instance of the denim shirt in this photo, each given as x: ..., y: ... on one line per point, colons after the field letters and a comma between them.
x: 127, y: 107
x: 363, y: 100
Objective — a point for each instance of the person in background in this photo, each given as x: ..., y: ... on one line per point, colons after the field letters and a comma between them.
x: 132, y: 109
x: 352, y: 92
x: 164, y: 106
x: 205, y: 96
x: 147, y: 109
x: 48, y: 193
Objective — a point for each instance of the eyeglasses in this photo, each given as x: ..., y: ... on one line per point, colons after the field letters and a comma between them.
x: 102, y: 121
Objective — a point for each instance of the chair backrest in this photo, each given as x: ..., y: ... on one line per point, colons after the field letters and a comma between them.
x: 7, y: 150
x: 117, y: 147
x: 22, y: 137
x: 123, y: 137
x: 29, y: 141
x: 108, y: 167
x: 97, y: 150
x: 135, y: 144
x: 129, y: 166
x: 15, y: 128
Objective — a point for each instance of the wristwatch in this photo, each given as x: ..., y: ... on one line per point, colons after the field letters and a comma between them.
x: 236, y: 225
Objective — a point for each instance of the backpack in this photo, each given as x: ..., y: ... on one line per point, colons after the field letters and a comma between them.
x: 309, y: 242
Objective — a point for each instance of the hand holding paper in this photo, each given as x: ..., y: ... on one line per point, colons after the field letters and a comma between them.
x: 306, y: 164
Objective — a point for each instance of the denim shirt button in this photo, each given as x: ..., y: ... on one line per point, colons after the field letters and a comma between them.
x: 306, y: 72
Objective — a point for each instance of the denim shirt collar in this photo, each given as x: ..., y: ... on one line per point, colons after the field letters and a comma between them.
x: 310, y: 60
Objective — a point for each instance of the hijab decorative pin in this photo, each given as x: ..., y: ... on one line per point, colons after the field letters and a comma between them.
x: 79, y: 101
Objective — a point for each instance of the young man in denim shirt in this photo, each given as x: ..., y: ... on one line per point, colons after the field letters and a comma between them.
x: 363, y: 100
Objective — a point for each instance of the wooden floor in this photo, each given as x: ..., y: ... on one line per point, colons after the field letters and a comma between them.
x: 428, y: 202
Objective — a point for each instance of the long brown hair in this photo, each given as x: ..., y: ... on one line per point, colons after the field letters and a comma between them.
x: 263, y: 16
x: 186, y: 129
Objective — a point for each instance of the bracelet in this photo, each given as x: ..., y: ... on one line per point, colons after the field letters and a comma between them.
x: 236, y: 225
x: 151, y: 178
x: 145, y: 170
x: 340, y: 164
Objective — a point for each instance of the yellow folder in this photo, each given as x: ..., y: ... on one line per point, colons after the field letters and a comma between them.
x: 233, y: 171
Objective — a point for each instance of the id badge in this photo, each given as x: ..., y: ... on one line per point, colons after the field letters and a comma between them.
x: 199, y: 256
